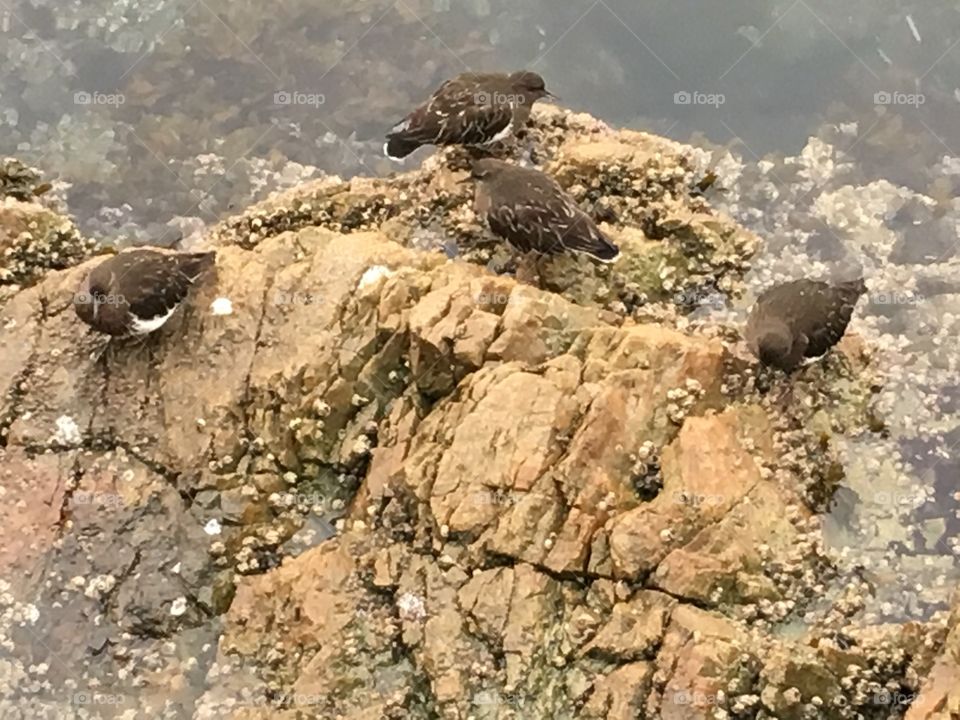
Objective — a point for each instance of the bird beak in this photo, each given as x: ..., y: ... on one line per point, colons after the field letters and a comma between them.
x: 550, y: 96
x: 96, y: 307
x: 465, y: 180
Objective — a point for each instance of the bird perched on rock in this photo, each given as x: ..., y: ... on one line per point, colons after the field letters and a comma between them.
x: 800, y: 319
x: 136, y: 291
x: 532, y: 212
x: 470, y: 109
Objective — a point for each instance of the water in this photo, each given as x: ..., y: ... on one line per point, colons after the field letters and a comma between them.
x: 165, y: 109
x: 166, y: 115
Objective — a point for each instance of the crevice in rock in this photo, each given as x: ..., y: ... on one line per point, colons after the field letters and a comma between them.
x: 581, y: 579
x: 16, y: 394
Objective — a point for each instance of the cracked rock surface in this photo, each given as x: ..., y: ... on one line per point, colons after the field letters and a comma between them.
x: 392, y: 484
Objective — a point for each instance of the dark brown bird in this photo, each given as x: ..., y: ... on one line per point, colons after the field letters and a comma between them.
x: 532, y: 212
x: 470, y: 109
x: 800, y: 319
x: 136, y: 291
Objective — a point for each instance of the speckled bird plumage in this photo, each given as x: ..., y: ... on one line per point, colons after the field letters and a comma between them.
x: 136, y: 291
x: 470, y: 109
x: 800, y: 319
x: 533, y: 213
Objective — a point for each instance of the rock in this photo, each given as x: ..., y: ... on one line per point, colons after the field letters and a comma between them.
x: 938, y: 698
x: 391, y: 484
x: 33, y: 240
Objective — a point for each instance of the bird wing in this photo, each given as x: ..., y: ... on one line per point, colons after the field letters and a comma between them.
x: 815, y: 309
x: 834, y: 307
x: 163, y: 281
x: 545, y: 219
x: 459, y: 112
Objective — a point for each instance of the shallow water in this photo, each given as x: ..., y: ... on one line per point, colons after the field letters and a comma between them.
x: 163, y: 109
x: 164, y: 115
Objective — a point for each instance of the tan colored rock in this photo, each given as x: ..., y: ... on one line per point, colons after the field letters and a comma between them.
x: 621, y: 694
x: 33, y: 494
x: 938, y: 698
x: 701, y: 653
x: 699, y: 489
x: 635, y: 628
x: 488, y: 452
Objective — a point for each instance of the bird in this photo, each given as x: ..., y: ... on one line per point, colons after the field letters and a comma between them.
x: 532, y: 212
x: 800, y: 320
x: 134, y: 292
x: 470, y: 109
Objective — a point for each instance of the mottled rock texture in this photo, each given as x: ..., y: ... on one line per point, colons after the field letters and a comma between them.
x: 391, y: 484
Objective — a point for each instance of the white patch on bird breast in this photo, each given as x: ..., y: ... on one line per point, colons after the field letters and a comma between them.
x: 386, y: 152
x: 373, y: 275
x: 141, y: 326
x: 221, y: 306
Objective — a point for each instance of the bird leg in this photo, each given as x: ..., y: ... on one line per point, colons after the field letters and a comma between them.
x: 98, y: 353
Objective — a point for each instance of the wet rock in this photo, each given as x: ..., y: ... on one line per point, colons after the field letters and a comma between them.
x: 410, y: 487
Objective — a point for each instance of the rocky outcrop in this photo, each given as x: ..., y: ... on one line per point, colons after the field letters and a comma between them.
x: 34, y: 237
x: 387, y: 484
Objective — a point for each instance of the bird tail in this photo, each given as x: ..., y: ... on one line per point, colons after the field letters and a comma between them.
x: 193, y: 265
x: 398, y: 147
